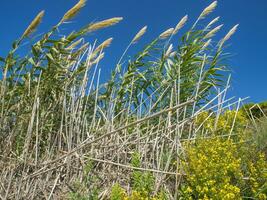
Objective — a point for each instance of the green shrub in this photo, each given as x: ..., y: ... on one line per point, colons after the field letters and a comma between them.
x: 143, y: 182
x: 255, y: 110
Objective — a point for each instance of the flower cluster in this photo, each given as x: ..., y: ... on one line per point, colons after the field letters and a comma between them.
x: 212, y: 168
x: 230, y: 120
x: 118, y: 193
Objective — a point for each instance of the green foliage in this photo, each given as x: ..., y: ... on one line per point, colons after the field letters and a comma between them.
x: 38, y: 86
x: 259, y: 136
x: 190, y: 71
x: 77, y: 196
x: 142, y: 182
x: 118, y: 193
x: 88, y: 187
x: 255, y: 110
x: 254, y: 166
x: 142, y: 185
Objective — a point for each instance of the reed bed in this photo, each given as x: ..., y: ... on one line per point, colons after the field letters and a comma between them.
x: 58, y: 119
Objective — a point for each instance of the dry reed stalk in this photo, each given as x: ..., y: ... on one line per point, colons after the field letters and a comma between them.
x: 97, y: 60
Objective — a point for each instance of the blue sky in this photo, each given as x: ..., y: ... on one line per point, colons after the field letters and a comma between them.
x: 248, y: 46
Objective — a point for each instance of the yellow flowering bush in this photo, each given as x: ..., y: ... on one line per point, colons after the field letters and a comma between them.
x: 227, y: 121
x: 213, y: 170
x: 221, y: 169
x: 118, y: 193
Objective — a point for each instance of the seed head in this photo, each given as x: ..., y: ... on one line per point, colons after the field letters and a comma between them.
x: 169, y: 51
x: 139, y: 34
x: 213, y: 32
x: 208, y: 10
x: 33, y: 25
x: 103, y: 45
x: 166, y: 33
x: 74, y: 44
x: 73, y: 11
x: 97, y: 60
x: 180, y: 24
x: 206, y: 44
x: 103, y: 24
x: 212, y: 22
x: 228, y: 35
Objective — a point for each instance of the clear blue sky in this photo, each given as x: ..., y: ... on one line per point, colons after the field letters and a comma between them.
x: 248, y: 45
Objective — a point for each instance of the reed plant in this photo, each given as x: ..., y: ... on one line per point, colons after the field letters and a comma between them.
x: 66, y: 134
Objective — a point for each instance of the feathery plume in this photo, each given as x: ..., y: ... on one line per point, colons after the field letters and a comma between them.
x: 208, y: 10
x: 33, y: 25
x: 173, y: 54
x: 74, y: 44
x: 206, y: 44
x: 212, y: 22
x: 100, y: 57
x: 169, y: 51
x: 213, y: 32
x: 73, y: 11
x: 81, y: 50
x: 139, y: 35
x: 103, y: 45
x: 103, y: 24
x: 228, y: 35
x: 166, y: 33
x: 180, y: 24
